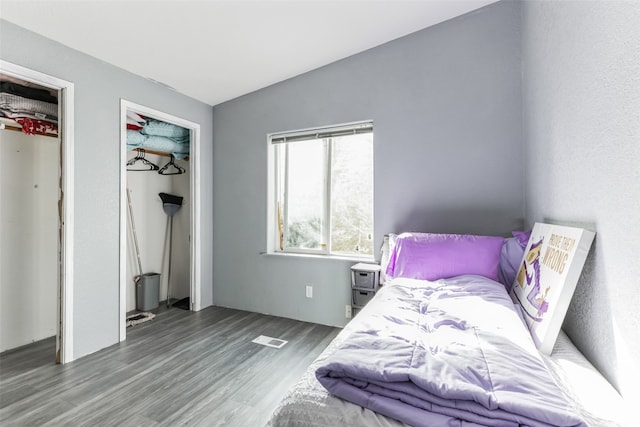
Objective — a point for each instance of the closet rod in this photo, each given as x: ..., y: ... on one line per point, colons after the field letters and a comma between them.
x: 159, y: 153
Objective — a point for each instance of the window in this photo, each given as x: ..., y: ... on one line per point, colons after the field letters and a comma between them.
x: 321, y: 193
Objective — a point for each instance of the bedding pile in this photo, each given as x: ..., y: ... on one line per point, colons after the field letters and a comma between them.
x: 448, y: 352
x: 34, y: 109
x: 157, y: 135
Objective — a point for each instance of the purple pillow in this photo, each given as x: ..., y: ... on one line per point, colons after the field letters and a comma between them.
x: 510, y: 259
x: 429, y: 256
x: 522, y: 237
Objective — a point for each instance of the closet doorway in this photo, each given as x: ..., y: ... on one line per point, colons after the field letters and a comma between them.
x: 158, y: 240
x: 37, y: 210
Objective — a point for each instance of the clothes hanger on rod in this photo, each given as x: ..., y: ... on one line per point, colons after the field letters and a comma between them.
x: 178, y: 170
x: 150, y: 166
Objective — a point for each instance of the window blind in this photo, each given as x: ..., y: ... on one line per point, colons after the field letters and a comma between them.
x: 321, y: 133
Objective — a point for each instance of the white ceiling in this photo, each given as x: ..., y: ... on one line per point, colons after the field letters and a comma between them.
x: 214, y: 51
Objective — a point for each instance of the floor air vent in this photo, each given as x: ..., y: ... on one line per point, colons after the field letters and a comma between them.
x: 270, y: 342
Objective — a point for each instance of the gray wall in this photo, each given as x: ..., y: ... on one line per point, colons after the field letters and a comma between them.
x: 98, y: 89
x: 446, y: 106
x: 582, y: 138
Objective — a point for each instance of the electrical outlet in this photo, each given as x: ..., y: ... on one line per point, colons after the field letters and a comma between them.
x: 309, y: 291
x: 347, y: 311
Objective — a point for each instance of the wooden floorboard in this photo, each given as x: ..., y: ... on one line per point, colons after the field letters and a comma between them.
x: 181, y: 368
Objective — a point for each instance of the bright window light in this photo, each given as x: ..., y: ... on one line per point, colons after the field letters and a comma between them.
x: 322, y: 191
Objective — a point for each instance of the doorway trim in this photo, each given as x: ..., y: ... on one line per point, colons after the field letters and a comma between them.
x: 64, y: 334
x: 194, y: 189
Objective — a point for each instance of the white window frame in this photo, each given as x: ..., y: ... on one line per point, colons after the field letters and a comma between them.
x: 273, y: 140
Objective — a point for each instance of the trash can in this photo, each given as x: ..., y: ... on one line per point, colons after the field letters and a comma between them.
x: 147, y: 291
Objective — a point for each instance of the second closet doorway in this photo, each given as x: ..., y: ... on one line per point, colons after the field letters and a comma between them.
x: 159, y: 200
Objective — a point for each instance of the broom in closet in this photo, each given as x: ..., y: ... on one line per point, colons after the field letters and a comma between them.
x: 171, y: 205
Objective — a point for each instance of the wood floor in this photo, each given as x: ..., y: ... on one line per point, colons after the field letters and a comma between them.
x: 181, y: 368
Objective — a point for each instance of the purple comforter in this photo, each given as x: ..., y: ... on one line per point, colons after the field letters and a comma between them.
x: 447, y: 353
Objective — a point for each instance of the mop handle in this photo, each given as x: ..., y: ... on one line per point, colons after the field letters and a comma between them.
x: 133, y: 228
x: 170, y: 224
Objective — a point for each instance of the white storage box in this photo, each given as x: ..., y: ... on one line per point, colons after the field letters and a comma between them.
x: 365, y: 276
x: 360, y: 298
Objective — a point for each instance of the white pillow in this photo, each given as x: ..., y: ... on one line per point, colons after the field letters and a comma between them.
x: 388, y: 243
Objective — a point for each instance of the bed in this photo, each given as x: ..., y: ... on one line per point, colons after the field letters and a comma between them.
x: 450, y: 350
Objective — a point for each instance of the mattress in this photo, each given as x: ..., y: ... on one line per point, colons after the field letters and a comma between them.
x: 595, y: 399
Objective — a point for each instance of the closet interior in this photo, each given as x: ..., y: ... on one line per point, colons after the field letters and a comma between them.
x: 158, y: 216
x: 30, y: 177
